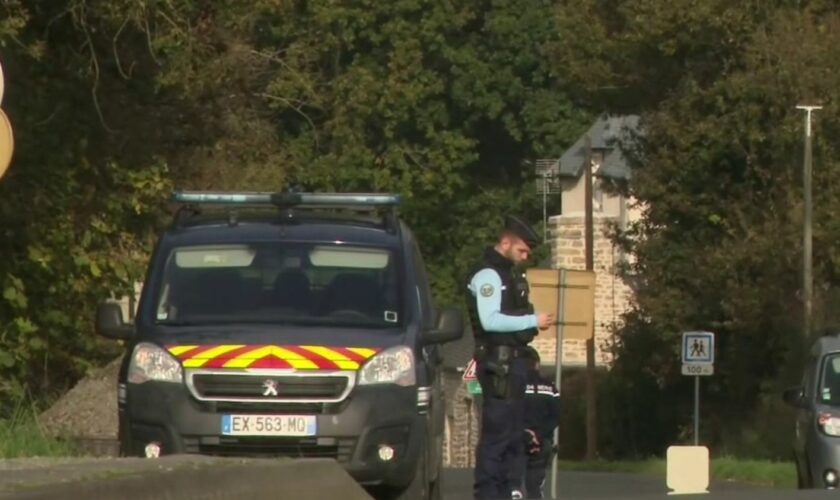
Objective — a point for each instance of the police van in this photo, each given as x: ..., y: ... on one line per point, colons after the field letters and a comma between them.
x: 288, y: 325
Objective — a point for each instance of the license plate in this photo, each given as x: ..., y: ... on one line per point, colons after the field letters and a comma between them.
x: 268, y: 425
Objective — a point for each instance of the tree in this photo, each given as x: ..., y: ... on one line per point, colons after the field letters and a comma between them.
x: 441, y: 103
x: 717, y: 169
x: 125, y: 100
x: 78, y: 203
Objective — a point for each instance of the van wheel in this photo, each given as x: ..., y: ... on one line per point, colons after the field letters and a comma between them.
x: 419, y: 487
x: 436, y: 489
x: 800, y: 482
x: 125, y: 442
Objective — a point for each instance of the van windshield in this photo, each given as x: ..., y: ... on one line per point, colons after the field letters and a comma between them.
x: 830, y: 381
x: 297, y: 283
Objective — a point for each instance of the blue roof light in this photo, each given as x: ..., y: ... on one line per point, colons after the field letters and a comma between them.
x: 286, y: 199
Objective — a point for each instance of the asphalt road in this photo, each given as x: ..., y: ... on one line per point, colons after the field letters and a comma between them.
x: 457, y: 485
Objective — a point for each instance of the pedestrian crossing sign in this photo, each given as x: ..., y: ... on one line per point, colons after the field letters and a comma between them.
x: 469, y: 372
x: 698, y: 348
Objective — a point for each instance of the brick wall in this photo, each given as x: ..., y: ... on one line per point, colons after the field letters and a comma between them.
x: 612, y: 296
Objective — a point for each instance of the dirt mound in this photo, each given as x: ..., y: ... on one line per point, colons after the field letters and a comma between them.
x: 88, y: 410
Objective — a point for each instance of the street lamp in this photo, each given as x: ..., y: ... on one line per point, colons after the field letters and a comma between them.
x: 807, y: 263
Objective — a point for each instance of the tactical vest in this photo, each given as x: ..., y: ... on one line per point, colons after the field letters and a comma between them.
x: 514, y: 301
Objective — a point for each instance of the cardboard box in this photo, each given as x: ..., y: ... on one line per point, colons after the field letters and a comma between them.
x: 572, y: 289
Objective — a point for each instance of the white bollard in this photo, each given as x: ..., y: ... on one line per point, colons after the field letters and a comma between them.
x: 688, y: 470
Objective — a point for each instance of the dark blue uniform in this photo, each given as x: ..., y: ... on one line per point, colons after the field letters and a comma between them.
x: 503, y: 322
x: 542, y: 413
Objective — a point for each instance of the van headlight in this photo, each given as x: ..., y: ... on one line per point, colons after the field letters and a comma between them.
x: 150, y: 362
x: 391, y: 366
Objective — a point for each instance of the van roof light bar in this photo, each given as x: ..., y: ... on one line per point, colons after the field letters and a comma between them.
x: 288, y: 199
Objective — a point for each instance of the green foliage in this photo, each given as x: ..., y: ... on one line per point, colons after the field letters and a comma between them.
x: 723, y: 469
x: 114, y: 103
x: 21, y: 436
x: 78, y: 204
x: 718, y: 175
x: 441, y: 103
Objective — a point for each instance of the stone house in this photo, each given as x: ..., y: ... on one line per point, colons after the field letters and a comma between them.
x: 567, y: 240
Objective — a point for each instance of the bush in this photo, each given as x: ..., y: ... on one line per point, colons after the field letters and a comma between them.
x: 22, y: 436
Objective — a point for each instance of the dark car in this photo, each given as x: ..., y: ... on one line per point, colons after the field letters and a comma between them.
x: 817, y: 399
x: 296, y: 325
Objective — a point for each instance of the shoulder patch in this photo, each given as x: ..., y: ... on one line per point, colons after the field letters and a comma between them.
x: 486, y: 290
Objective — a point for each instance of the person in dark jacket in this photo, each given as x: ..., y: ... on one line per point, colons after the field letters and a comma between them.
x: 504, y: 321
x: 542, y: 413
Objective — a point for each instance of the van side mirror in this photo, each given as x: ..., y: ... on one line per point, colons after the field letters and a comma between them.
x: 110, y: 324
x: 795, y: 396
x: 450, y: 327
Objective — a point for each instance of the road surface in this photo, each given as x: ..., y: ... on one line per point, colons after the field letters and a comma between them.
x: 457, y: 485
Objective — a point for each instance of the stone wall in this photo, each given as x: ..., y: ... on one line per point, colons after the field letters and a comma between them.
x: 612, y: 298
x: 462, y: 411
x: 612, y: 295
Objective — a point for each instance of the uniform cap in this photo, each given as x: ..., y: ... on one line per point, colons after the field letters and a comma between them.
x: 518, y: 227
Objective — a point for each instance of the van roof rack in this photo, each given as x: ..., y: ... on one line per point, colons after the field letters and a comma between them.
x: 288, y: 201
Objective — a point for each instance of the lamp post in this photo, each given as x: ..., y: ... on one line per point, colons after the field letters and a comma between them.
x: 591, y: 392
x: 807, y: 233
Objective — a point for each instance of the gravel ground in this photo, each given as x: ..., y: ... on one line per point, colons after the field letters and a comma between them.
x: 88, y: 410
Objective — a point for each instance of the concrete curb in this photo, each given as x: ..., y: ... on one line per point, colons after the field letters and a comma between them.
x: 299, y: 479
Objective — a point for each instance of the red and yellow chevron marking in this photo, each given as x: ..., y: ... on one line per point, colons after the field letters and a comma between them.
x: 301, y: 357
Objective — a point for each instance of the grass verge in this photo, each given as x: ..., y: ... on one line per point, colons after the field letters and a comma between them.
x: 21, y: 436
x: 758, y: 472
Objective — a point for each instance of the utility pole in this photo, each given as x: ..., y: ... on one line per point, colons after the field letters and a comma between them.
x: 591, y: 406
x: 807, y: 245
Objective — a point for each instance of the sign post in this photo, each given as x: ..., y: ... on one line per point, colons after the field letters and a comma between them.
x: 688, y: 466
x: 570, y: 294
x: 698, y: 359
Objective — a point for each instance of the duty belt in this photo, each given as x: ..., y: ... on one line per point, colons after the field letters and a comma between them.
x: 503, y: 351
x: 513, y: 351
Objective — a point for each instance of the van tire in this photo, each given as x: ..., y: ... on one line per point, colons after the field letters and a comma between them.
x: 803, y: 474
x: 436, y: 489
x: 418, y: 489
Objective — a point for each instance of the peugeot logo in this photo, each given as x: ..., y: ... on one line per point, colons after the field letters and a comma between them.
x: 270, y: 388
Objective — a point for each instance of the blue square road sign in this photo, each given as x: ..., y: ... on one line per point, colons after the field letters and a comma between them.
x: 698, y: 347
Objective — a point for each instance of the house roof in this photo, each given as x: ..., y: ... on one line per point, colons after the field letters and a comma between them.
x: 605, y: 134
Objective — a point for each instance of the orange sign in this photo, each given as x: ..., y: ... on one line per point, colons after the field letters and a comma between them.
x: 7, y: 143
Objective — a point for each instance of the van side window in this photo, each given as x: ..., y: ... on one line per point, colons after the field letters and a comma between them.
x: 830, y: 380
x: 424, y: 290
